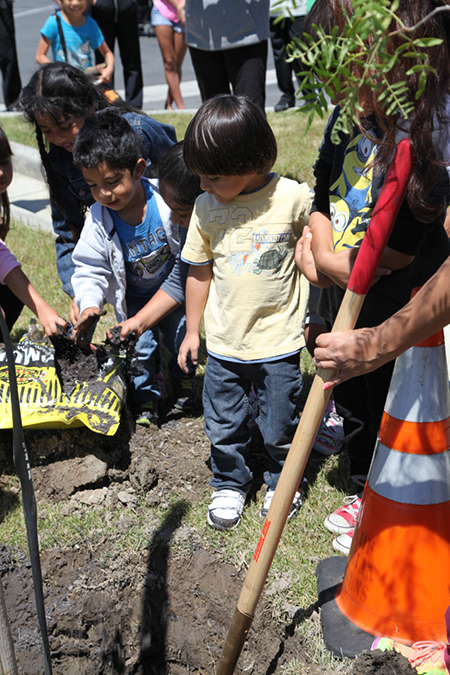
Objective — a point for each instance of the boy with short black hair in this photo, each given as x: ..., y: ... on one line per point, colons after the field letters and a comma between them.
x: 127, y: 247
x: 240, y: 246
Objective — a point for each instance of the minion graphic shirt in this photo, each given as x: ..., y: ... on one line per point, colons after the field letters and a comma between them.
x: 351, y: 194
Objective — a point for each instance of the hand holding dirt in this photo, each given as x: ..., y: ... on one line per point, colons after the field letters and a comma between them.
x: 85, y: 321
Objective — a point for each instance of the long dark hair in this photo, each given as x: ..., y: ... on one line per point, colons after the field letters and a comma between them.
x: 5, y: 156
x: 429, y: 115
x: 61, y: 91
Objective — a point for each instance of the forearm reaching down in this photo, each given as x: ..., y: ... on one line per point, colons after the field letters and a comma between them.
x: 20, y: 285
x: 159, y: 306
x: 361, y: 351
x: 197, y: 289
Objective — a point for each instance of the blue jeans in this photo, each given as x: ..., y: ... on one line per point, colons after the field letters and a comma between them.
x: 173, y: 327
x: 226, y: 409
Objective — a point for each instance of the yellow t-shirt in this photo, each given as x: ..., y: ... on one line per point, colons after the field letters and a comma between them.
x: 255, y: 308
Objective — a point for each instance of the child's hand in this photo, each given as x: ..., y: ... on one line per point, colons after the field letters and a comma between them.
x: 105, y: 74
x: 49, y: 320
x: 189, y: 349
x: 128, y: 326
x: 304, y: 259
x: 84, y: 323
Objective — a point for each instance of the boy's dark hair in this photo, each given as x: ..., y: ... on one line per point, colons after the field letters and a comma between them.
x: 174, y: 175
x: 229, y: 136
x: 106, y: 138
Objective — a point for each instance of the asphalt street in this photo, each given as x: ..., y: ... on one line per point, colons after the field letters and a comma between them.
x: 30, y: 16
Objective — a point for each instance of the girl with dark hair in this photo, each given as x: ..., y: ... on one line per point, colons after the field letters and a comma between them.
x: 56, y: 101
x: 349, y: 177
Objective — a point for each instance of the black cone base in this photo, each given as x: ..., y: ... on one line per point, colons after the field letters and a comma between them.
x: 341, y: 636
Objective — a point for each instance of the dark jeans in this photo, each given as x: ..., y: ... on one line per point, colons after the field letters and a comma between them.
x: 226, y: 391
x: 244, y: 68
x: 8, y: 55
x: 126, y: 30
x: 281, y: 34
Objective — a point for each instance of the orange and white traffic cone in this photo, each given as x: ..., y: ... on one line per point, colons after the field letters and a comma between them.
x: 397, y: 578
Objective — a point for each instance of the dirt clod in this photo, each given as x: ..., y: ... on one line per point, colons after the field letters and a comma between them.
x: 382, y: 663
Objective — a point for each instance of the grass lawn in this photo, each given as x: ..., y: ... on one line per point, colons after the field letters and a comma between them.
x: 302, y: 545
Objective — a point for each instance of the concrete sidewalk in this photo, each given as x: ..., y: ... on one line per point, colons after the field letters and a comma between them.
x: 28, y: 192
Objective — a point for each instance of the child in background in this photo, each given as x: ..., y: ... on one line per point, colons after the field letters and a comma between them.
x: 349, y: 177
x: 128, y: 245
x: 179, y: 188
x: 73, y: 36
x: 16, y: 290
x: 240, y: 246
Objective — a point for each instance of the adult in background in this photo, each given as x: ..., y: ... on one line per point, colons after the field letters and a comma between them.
x: 119, y: 19
x: 227, y: 41
x: 56, y: 101
x: 168, y: 22
x: 8, y: 56
x: 282, y: 32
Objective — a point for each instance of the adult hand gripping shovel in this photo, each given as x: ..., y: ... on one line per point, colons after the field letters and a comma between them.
x: 367, y: 261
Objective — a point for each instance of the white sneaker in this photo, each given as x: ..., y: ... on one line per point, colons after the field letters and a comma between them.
x: 296, y: 503
x: 225, y: 510
x: 330, y: 437
x: 343, y: 542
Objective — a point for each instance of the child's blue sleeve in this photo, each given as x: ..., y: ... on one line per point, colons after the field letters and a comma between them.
x: 50, y: 29
x: 175, y: 284
x: 95, y: 34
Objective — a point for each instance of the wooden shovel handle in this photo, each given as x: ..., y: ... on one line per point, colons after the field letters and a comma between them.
x: 367, y: 261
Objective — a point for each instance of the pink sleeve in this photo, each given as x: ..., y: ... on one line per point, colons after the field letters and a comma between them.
x: 8, y: 261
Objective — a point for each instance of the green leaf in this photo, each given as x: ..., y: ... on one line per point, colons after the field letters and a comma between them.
x: 428, y: 42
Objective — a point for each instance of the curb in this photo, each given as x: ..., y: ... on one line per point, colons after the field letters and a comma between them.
x: 27, y: 161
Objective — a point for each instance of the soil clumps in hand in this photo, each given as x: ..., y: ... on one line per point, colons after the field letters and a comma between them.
x: 75, y: 364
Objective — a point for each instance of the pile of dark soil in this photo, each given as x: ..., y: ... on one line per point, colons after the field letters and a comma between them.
x: 75, y: 363
x: 382, y: 663
x: 163, y: 610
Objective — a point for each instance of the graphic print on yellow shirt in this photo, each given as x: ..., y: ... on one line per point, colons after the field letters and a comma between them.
x: 255, y: 307
x: 247, y: 250
x: 352, y: 192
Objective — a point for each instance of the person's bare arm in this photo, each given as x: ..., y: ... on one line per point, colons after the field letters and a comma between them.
x: 106, y: 73
x: 21, y: 286
x: 197, y: 289
x: 304, y: 259
x: 337, y: 266
x: 361, y: 351
x: 160, y: 305
x: 41, y: 54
